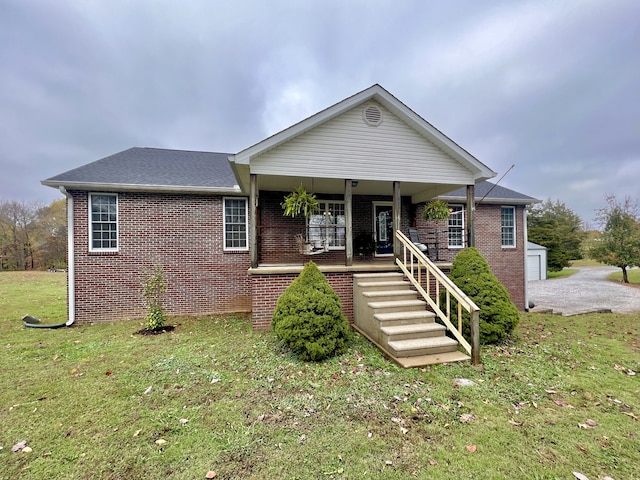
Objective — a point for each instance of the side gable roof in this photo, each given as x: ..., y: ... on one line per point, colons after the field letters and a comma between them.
x: 153, y: 169
x: 378, y: 94
x: 490, y: 193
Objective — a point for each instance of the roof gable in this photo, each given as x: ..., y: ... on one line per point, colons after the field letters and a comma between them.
x: 379, y: 95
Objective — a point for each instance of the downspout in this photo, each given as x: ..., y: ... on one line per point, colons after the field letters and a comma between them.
x: 526, y: 258
x: 71, y: 271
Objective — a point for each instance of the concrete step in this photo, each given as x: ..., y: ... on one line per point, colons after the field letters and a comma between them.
x: 384, y: 285
x: 389, y: 295
x: 394, y: 333
x: 404, y: 318
x: 435, y: 359
x: 396, y: 306
x: 379, y: 276
x: 422, y: 346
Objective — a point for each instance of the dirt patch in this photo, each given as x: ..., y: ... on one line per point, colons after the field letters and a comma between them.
x: 157, y: 331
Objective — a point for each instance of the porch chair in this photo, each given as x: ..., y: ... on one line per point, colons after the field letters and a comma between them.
x: 307, y: 248
x: 413, y: 235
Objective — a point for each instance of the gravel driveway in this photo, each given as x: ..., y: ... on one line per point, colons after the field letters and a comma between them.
x: 584, y: 292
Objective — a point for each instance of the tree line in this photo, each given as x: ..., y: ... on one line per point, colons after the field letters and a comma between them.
x: 616, y: 242
x: 33, y: 236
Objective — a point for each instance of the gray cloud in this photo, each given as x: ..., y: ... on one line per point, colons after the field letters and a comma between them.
x: 548, y: 86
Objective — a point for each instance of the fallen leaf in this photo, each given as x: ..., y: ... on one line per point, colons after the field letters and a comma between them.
x: 148, y: 390
x: 184, y: 421
x: 561, y: 403
x: 582, y: 449
x: 211, y: 474
x: 591, y: 423
x: 19, y: 446
x: 433, y: 463
x: 631, y: 415
x: 467, y: 417
x: 388, y: 462
x: 27, y: 450
x: 161, y: 441
x: 551, y: 391
x: 107, y: 373
x: 515, y: 424
x: 579, y: 476
x: 471, y: 448
x: 137, y: 432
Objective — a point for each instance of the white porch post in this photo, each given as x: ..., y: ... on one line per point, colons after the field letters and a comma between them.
x: 348, y: 222
x: 253, y: 219
x: 397, y: 209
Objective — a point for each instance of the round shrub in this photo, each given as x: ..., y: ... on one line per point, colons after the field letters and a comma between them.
x: 498, y: 315
x: 308, y: 317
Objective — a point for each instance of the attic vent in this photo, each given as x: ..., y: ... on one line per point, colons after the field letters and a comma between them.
x: 372, y: 115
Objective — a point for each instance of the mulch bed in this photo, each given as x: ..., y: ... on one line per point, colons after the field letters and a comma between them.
x: 157, y: 331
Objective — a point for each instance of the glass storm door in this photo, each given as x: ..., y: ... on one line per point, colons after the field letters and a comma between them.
x: 383, y: 226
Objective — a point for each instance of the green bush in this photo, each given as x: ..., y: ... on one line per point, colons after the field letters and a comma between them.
x: 498, y: 315
x: 308, y: 317
x: 153, y: 287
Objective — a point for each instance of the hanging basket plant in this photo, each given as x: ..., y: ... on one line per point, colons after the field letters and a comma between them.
x: 300, y: 202
x: 436, y: 210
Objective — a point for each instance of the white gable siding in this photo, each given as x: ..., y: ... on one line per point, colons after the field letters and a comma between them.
x: 346, y: 147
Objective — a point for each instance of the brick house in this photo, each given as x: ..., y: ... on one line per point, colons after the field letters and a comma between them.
x: 214, y: 222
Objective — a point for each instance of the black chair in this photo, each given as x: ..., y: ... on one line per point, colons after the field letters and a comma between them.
x: 413, y: 235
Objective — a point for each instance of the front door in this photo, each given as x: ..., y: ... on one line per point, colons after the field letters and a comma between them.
x: 383, y: 227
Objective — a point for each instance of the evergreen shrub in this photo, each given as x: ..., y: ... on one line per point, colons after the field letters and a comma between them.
x: 498, y: 315
x: 308, y: 317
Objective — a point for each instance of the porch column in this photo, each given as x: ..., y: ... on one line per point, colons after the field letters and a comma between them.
x: 348, y: 222
x: 397, y: 207
x: 471, y: 210
x: 253, y: 219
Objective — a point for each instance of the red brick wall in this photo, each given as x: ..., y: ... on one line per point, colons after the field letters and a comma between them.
x: 507, y: 264
x: 183, y: 234
x: 268, y: 288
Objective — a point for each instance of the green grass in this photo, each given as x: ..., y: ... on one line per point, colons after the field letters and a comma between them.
x: 232, y: 401
x: 41, y: 294
x: 586, y: 262
x: 633, y: 274
x: 565, y: 272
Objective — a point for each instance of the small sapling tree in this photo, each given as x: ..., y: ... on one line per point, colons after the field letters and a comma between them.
x: 153, y: 287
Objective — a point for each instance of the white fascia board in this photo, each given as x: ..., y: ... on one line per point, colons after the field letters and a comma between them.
x: 121, y: 187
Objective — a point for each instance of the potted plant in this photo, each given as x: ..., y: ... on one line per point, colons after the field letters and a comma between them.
x: 300, y: 202
x: 436, y: 210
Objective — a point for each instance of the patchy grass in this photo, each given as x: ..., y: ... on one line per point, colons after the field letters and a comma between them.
x: 565, y: 272
x: 633, y: 274
x: 560, y: 397
x: 586, y: 262
x: 41, y: 294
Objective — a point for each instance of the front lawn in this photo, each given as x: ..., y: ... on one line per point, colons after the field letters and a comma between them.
x: 101, y: 402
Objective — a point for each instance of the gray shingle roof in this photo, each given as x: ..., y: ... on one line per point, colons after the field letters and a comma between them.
x: 491, y: 193
x: 153, y: 167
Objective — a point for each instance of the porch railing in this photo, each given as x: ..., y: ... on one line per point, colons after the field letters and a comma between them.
x: 426, y: 277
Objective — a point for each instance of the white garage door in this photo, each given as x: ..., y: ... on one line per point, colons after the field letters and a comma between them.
x: 533, y: 267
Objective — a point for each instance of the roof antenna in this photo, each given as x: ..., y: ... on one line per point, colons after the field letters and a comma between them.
x: 496, y: 184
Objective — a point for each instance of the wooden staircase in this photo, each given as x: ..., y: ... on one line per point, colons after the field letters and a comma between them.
x: 388, y: 312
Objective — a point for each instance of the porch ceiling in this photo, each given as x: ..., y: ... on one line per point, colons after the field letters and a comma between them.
x: 419, y: 192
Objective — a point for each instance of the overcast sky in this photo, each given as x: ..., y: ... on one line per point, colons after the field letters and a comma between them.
x: 550, y: 86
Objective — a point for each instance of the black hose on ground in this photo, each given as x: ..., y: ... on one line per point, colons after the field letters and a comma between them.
x: 32, y: 322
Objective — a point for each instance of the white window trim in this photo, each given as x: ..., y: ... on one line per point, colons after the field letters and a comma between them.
x: 89, y: 204
x: 458, y: 247
x: 224, y: 225
x: 323, y: 206
x: 513, y: 208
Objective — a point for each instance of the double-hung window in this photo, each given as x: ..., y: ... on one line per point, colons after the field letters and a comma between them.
x: 103, y: 222
x: 327, y: 227
x: 236, y: 224
x: 508, y: 223
x: 456, y: 226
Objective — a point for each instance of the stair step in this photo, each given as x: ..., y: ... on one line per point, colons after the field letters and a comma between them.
x: 389, y: 295
x: 397, y: 305
x: 411, y: 331
x: 402, y: 318
x: 438, y: 358
x: 378, y: 276
x: 422, y: 346
x: 385, y: 284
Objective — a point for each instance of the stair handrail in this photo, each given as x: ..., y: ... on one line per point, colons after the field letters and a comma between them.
x: 412, y: 263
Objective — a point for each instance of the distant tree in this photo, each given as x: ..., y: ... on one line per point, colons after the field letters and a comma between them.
x: 16, y: 230
x: 50, y: 238
x: 619, y: 244
x: 555, y: 226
